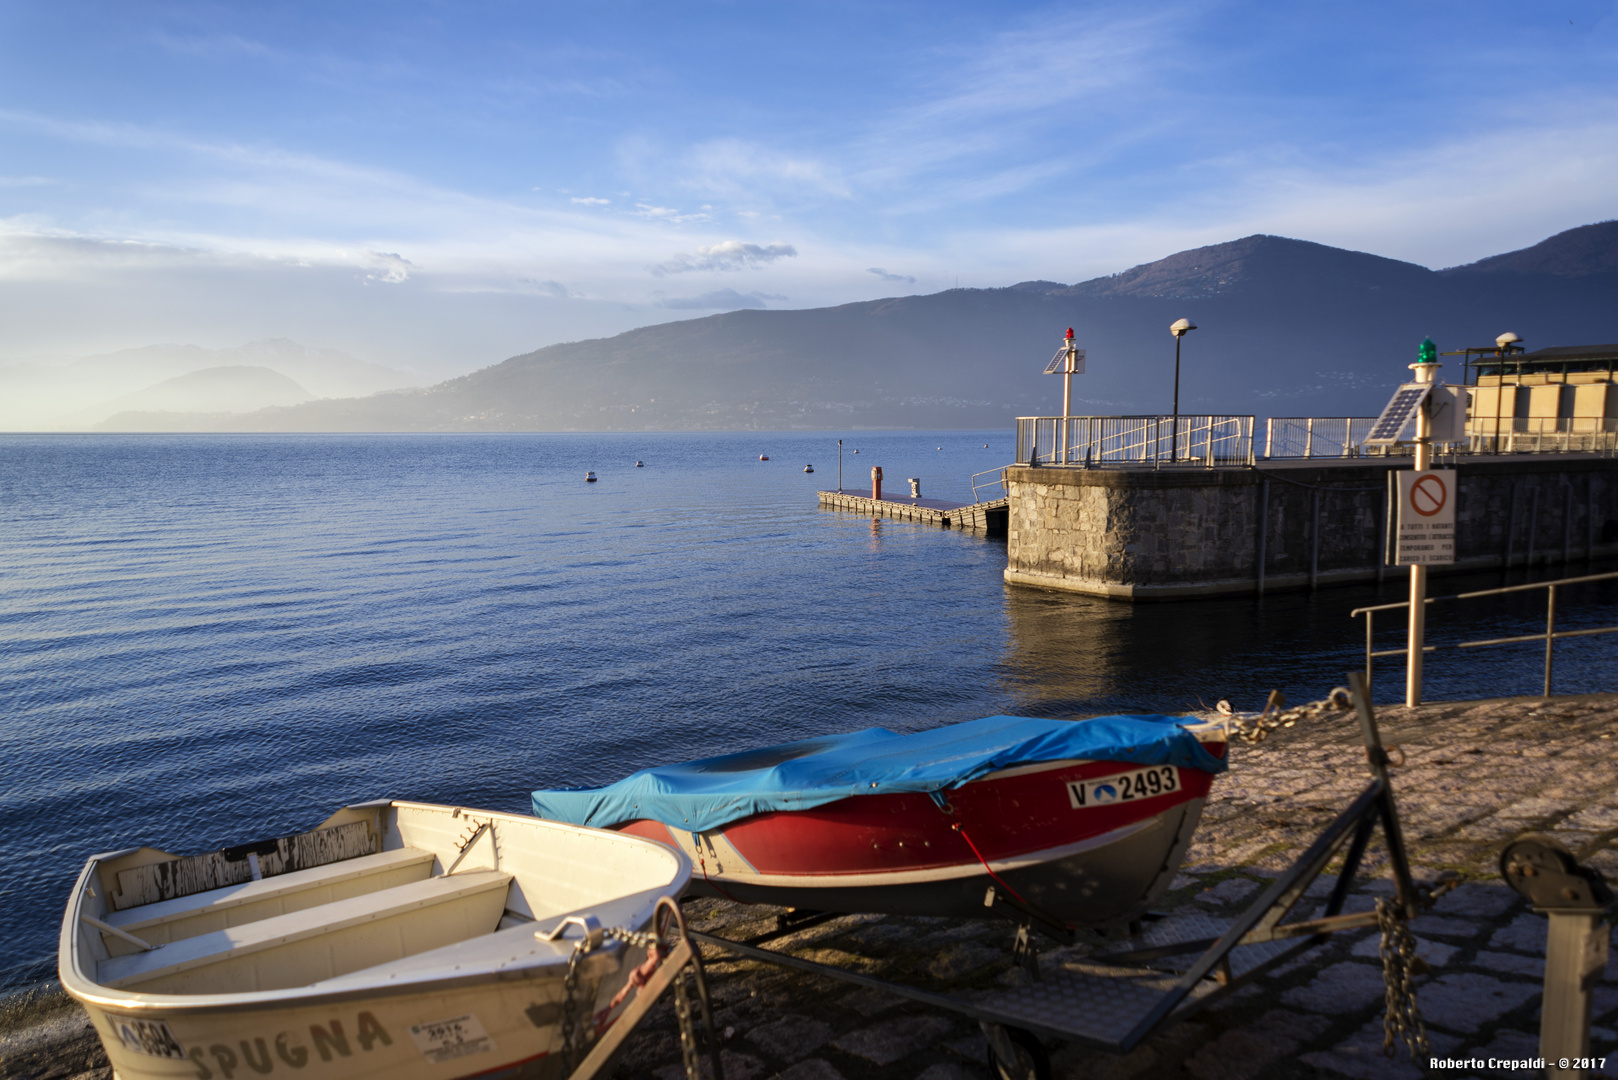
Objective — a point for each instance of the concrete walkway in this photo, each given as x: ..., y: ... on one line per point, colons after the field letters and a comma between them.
x: 1476, y: 775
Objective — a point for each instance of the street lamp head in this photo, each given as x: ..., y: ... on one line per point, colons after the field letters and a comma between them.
x: 1507, y: 338
x: 1181, y: 326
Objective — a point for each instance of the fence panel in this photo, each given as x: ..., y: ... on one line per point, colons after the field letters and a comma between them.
x: 1140, y: 440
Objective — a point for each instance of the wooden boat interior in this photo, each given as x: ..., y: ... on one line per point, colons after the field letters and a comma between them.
x: 378, y: 892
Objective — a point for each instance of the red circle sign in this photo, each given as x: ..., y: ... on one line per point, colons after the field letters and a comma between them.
x: 1428, y: 496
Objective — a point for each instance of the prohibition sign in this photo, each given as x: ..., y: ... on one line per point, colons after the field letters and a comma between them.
x: 1428, y: 495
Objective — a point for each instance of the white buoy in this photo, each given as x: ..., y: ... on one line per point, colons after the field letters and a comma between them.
x: 808, y: 468
x: 589, y: 478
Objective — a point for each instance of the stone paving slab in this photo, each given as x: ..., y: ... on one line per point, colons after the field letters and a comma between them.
x: 1477, y: 775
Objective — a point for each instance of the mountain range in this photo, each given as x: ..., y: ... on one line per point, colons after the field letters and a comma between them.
x: 181, y: 387
x: 1285, y: 328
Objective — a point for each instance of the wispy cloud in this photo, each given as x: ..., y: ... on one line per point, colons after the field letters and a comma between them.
x: 727, y: 255
x: 591, y: 200
x: 738, y: 168
x: 719, y: 300
x: 885, y: 276
x: 670, y: 214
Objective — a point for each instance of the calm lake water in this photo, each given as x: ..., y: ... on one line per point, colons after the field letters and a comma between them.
x: 210, y: 639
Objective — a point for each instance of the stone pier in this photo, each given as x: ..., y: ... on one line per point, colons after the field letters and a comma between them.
x: 1145, y: 534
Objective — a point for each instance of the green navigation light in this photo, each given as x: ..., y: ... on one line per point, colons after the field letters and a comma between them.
x: 1429, y: 352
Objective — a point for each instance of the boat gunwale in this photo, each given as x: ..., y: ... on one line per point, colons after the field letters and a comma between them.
x: 88, y: 991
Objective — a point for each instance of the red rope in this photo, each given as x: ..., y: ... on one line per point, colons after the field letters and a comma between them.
x: 704, y: 864
x: 998, y: 880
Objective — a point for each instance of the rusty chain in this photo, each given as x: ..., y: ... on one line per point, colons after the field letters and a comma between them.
x: 1256, y: 727
x: 573, y: 1033
x: 1400, y: 966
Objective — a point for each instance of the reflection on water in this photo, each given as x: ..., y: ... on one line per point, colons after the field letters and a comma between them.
x: 1082, y: 655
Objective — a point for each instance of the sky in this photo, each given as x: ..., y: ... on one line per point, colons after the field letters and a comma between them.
x: 437, y: 186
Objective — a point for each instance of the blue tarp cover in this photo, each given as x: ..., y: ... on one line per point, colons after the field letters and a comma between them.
x: 713, y: 792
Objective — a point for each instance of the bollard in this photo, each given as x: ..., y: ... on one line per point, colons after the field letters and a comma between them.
x: 1574, y: 898
x: 876, y: 482
x: 915, y: 487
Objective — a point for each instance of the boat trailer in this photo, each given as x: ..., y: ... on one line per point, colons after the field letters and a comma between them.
x: 1176, y: 965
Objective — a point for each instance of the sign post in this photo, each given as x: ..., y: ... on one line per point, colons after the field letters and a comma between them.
x: 1426, y: 520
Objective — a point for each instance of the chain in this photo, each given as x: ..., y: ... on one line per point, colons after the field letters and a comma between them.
x: 688, y: 1033
x: 571, y: 1043
x: 573, y: 1033
x: 1399, y: 968
x: 1256, y: 727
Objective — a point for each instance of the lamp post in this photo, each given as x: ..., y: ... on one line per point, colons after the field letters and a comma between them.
x: 1179, y: 330
x: 1502, y: 349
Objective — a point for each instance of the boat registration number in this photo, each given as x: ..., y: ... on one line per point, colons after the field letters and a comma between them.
x: 445, y: 1040
x: 150, y: 1037
x: 1124, y: 787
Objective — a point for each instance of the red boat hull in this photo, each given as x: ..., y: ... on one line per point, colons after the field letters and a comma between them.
x: 1040, y: 832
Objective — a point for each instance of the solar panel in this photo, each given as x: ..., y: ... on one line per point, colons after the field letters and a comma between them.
x: 1058, y: 362
x: 1406, y: 400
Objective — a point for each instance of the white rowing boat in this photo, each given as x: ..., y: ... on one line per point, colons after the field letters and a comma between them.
x: 397, y: 940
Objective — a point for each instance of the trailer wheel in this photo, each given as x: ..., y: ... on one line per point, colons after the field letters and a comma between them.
x: 1032, y: 1063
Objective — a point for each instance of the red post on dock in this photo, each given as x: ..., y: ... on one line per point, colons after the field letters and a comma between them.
x: 876, y: 482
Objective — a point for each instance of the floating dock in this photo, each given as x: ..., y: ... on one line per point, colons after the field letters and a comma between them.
x: 986, y: 517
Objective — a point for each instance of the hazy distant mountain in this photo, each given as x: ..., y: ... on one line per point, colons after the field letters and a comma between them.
x: 83, y: 392
x: 1286, y: 328
x: 211, y: 390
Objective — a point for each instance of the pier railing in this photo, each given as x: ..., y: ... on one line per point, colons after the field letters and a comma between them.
x: 1344, y: 436
x: 1549, y: 637
x: 989, y: 485
x: 1549, y: 436
x: 1315, y: 436
x: 1096, y: 441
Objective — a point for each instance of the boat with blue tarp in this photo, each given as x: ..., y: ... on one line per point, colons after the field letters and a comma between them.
x: 1082, y: 822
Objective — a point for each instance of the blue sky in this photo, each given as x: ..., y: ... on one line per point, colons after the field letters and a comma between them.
x: 441, y: 185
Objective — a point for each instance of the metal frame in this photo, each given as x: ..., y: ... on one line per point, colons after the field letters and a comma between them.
x: 1549, y: 637
x: 999, y: 481
x: 1093, y: 441
x: 1116, y: 1000
x: 604, y: 1053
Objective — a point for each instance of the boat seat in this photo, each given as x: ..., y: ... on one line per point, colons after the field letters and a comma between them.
x: 235, y: 905
x: 317, y: 943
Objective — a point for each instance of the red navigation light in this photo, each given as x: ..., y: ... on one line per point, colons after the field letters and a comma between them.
x: 1070, y: 333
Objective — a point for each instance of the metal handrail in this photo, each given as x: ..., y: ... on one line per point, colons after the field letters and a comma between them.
x: 1344, y: 437
x: 1090, y: 441
x: 1316, y: 436
x: 1549, y: 637
x: 1000, y: 475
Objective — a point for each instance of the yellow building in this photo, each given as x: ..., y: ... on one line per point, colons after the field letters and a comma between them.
x: 1555, y: 393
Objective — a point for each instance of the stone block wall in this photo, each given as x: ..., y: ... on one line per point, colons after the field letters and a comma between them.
x: 1148, y: 534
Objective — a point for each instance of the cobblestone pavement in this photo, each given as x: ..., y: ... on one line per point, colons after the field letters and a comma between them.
x: 1475, y: 775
